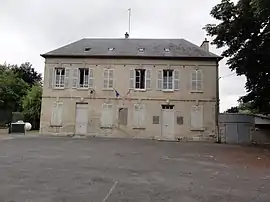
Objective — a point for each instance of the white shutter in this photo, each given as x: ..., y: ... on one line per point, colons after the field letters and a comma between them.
x: 56, y: 116
x: 136, y: 116
x: 199, y: 80
x: 142, y: 116
x: 91, y: 78
x: 148, y: 79
x: 75, y: 78
x: 176, y: 80
x: 194, y: 80
x: 159, y: 80
x: 50, y: 77
x: 106, y: 115
x: 59, y: 113
x: 111, y: 78
x: 196, y: 117
x: 131, y: 78
x: 66, y: 77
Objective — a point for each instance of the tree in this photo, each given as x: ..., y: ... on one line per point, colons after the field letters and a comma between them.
x: 32, y: 104
x: 244, y: 32
x: 27, y: 73
x: 233, y: 110
x: 12, y: 89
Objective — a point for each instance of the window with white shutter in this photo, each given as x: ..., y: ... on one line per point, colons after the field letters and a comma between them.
x: 196, y: 117
x: 91, y: 78
x: 50, y: 77
x: 75, y: 78
x: 56, y: 116
x: 197, y: 81
x: 59, y: 78
x: 139, y: 116
x: 67, y: 78
x: 131, y: 78
x: 108, y: 75
x: 159, y: 80
x: 83, y: 78
x: 148, y: 79
x: 176, y: 80
x: 107, y: 115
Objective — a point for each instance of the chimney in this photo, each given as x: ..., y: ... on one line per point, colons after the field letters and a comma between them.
x: 126, y: 35
x: 205, y: 45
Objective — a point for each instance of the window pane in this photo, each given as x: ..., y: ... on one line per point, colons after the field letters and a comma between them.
x: 111, y: 73
x: 194, y: 85
x: 170, y: 85
x: 199, y: 85
x: 199, y: 75
x: 110, y: 83
x: 170, y: 73
x: 86, y: 71
x: 105, y: 73
x: 194, y: 75
x: 105, y: 83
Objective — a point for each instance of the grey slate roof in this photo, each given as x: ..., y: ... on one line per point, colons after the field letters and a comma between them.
x: 179, y: 48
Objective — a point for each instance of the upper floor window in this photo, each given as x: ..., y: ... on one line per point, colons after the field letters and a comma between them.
x: 168, y: 80
x: 83, y: 78
x: 196, y: 81
x: 108, y: 78
x: 139, y: 78
x: 59, y: 77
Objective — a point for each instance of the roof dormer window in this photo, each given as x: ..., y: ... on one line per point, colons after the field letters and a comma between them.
x: 141, y: 50
x: 87, y: 49
x: 110, y: 49
x: 167, y: 50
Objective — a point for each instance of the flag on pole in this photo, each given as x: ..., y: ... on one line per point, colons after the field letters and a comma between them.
x: 116, y: 93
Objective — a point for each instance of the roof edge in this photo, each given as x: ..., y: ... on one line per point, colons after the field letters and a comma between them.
x: 218, y: 58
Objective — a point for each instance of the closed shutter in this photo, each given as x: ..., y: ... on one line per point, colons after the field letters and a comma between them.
x: 91, y: 78
x: 56, y: 116
x: 197, y: 117
x: 67, y: 77
x: 106, y: 115
x: 131, y: 79
x: 148, y: 79
x: 194, y: 80
x: 75, y: 78
x: 159, y: 80
x: 50, y: 77
x: 176, y: 80
x: 197, y: 80
x: 139, y: 116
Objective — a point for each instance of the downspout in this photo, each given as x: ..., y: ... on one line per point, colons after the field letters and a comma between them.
x: 217, y: 104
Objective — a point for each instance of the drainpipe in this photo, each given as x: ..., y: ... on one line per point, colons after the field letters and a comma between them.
x: 217, y: 105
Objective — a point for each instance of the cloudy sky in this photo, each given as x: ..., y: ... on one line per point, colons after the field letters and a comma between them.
x: 31, y: 27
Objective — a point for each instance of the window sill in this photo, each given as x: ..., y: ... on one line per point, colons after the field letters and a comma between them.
x: 140, y: 90
x: 83, y: 88
x: 108, y: 89
x: 168, y: 90
x: 196, y: 91
x: 58, y: 88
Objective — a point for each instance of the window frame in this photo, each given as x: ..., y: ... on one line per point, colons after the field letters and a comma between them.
x: 84, y: 86
x: 168, y: 89
x: 135, y: 77
x: 59, y: 85
x: 108, y: 79
x: 196, y: 80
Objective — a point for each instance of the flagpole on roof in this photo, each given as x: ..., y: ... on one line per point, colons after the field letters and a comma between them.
x: 129, y: 20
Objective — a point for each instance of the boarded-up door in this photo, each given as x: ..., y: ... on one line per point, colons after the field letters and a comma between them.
x: 107, y: 116
x: 167, y: 124
x: 81, y: 119
x: 196, y: 117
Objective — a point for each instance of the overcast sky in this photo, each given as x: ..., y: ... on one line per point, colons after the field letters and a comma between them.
x: 31, y: 27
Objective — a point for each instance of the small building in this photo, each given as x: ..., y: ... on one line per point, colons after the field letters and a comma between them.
x: 140, y: 88
x: 261, y: 134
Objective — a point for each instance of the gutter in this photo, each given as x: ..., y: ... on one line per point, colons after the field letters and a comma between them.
x: 217, y: 104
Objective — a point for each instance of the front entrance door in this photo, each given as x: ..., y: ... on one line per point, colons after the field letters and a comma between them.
x: 81, y: 119
x: 167, y: 124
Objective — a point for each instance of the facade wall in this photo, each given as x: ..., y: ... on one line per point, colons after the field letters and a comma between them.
x: 183, y: 99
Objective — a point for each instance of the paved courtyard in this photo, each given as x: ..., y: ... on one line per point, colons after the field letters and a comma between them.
x: 40, y: 169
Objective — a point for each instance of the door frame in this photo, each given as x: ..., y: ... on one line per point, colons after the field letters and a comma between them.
x: 173, y: 123
x: 81, y: 103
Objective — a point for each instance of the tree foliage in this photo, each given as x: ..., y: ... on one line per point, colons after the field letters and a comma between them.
x: 244, y: 32
x: 32, y: 103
